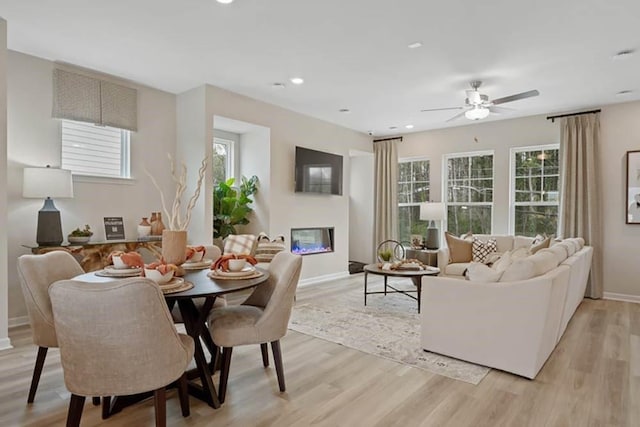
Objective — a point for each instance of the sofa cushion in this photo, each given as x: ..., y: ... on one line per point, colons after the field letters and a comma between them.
x: 521, y: 252
x: 459, y: 249
x: 504, y: 243
x: 503, y: 263
x: 481, y: 251
x: 569, y: 247
x: 522, y: 242
x: 456, y: 269
x: 559, y: 251
x: 478, y: 272
x: 543, y: 262
x: 520, y: 269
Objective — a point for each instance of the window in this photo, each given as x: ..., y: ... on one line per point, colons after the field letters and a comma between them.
x: 222, y: 159
x: 413, y: 189
x: 469, y: 190
x: 535, y: 183
x: 89, y: 149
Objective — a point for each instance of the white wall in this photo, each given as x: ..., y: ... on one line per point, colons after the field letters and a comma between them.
x: 620, y: 129
x: 361, y: 244
x: 254, y: 159
x: 34, y: 140
x: 4, y: 336
x: 287, y: 208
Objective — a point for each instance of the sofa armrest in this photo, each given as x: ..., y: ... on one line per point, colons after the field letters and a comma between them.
x: 443, y: 258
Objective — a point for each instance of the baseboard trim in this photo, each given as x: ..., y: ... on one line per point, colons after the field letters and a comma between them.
x: 18, y: 321
x: 326, y: 278
x: 621, y: 297
x: 5, y: 344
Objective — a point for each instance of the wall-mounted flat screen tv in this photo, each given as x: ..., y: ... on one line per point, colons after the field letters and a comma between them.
x: 318, y: 172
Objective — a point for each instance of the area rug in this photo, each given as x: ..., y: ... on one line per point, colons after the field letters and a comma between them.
x: 389, y: 327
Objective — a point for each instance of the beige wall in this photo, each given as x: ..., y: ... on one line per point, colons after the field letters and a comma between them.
x: 620, y: 132
x: 4, y: 337
x: 287, y: 208
x: 362, y: 248
x: 34, y: 140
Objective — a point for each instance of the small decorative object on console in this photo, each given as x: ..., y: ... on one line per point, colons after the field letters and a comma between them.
x: 80, y: 235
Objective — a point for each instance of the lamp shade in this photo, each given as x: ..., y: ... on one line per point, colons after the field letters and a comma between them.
x: 40, y: 183
x: 433, y: 211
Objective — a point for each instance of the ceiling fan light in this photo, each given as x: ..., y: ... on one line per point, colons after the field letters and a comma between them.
x: 477, y: 113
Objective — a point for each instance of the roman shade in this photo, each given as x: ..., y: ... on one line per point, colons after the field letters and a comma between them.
x: 87, y: 99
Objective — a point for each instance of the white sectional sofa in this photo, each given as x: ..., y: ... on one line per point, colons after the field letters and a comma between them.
x: 510, y: 325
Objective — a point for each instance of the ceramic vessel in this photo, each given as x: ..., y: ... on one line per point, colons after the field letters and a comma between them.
x: 144, y: 228
x: 237, y: 264
x: 157, y: 226
x: 158, y: 277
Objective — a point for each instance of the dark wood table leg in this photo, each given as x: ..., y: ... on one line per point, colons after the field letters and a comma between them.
x: 194, y: 323
x: 417, y: 281
x: 365, y: 288
x: 385, y: 285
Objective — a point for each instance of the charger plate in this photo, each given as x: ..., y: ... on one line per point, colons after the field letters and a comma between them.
x: 177, y: 284
x: 113, y: 272
x: 200, y: 265
x: 222, y: 275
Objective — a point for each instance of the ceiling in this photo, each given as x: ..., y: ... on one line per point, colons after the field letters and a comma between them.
x: 352, y: 54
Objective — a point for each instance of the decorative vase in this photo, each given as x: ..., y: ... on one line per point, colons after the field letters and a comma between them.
x: 174, y: 246
x: 144, y: 228
x: 158, y: 225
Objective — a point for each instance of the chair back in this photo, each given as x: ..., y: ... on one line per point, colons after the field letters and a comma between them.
x: 212, y: 252
x: 116, y: 338
x: 276, y: 296
x: 240, y: 244
x: 36, y: 273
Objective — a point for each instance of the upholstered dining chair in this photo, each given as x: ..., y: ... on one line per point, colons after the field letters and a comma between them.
x: 262, y: 318
x: 118, y: 339
x: 36, y: 273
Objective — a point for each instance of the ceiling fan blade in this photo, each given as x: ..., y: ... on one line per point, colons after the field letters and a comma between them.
x: 457, y: 116
x: 515, y: 97
x: 441, y: 109
x: 500, y: 110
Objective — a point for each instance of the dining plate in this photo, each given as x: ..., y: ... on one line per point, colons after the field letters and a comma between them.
x: 174, y: 283
x: 117, y: 273
x: 205, y: 263
x: 248, y: 270
x: 113, y: 270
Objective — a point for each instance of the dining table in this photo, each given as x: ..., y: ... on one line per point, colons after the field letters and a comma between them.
x: 205, y: 290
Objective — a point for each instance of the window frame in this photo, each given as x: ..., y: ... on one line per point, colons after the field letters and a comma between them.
x: 412, y: 204
x: 231, y: 154
x: 125, y: 156
x: 512, y: 183
x: 445, y: 184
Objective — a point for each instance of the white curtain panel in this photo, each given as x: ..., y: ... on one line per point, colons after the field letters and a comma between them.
x: 581, y: 194
x: 386, y: 190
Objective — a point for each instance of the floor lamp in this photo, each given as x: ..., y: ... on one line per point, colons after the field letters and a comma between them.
x: 48, y: 183
x: 432, y: 212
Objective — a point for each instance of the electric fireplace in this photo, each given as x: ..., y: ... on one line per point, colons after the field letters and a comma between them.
x: 313, y: 240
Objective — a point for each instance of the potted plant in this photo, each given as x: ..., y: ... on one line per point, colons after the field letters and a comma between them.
x: 231, y: 205
x: 80, y: 235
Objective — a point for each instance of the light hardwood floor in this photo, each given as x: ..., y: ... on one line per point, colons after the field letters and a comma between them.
x: 591, y: 379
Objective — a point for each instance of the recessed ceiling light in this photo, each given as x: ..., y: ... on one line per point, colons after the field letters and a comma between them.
x: 409, y: 126
x: 278, y: 85
x: 297, y: 80
x: 415, y: 45
x: 225, y: 1
x: 393, y: 127
x: 344, y: 110
x: 624, y: 54
x: 624, y: 92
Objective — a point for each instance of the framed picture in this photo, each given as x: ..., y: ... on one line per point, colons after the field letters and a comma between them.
x: 632, y: 206
x: 417, y: 241
x: 114, y: 227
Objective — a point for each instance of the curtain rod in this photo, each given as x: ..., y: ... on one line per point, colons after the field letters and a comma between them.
x: 388, y: 139
x: 553, y: 118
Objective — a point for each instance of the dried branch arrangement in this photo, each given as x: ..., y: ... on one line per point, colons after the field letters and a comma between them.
x: 175, y: 219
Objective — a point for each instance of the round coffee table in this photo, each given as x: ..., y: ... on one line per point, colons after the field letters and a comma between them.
x: 414, y: 275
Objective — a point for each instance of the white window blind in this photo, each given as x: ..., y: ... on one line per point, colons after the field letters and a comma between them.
x: 95, y: 150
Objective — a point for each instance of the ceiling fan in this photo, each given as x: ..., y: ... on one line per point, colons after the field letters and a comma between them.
x: 478, y: 106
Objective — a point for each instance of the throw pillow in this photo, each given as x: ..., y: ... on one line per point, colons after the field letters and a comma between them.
x: 480, y: 250
x: 459, y: 249
x: 503, y: 263
x: 521, y: 252
x: 535, y: 247
x: 479, y: 272
x: 267, y: 249
x: 239, y: 244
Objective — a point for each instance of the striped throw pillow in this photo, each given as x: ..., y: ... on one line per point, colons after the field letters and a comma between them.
x: 267, y: 249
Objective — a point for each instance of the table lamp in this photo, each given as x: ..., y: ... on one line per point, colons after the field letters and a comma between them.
x: 48, y: 183
x: 432, y: 212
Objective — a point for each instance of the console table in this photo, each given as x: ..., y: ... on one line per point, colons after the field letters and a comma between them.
x: 94, y: 256
x: 425, y: 256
